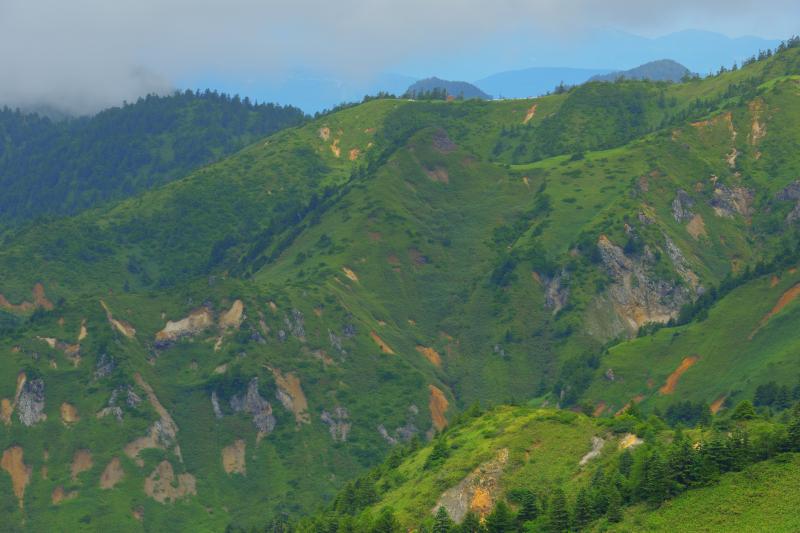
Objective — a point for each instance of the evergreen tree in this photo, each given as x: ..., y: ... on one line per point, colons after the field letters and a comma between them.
x: 744, y: 411
x: 471, y: 524
x: 442, y: 522
x: 625, y: 463
x: 614, y: 512
x: 386, y: 522
x: 528, y: 509
x: 559, y: 515
x: 501, y: 520
x: 584, y: 513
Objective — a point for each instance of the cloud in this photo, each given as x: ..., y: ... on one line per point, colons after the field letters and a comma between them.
x: 83, y: 55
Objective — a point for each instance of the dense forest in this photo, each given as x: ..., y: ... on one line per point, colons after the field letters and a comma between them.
x: 60, y: 167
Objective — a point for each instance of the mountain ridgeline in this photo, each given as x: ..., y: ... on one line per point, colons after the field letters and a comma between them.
x: 295, y: 326
x: 60, y: 167
x: 435, y: 88
x: 661, y: 70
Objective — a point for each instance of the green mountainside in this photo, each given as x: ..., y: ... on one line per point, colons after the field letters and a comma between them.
x: 235, y: 346
x: 62, y: 167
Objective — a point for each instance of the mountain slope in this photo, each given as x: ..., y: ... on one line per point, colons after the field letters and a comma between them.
x: 267, y: 328
x: 63, y: 167
x: 457, y: 89
x: 661, y: 70
x: 536, y: 81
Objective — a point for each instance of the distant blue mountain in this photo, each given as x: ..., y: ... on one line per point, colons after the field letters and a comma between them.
x: 661, y: 70
x: 534, y: 81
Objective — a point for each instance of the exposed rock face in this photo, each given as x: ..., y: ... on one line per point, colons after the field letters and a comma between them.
x: 728, y: 201
x: 163, y: 433
x: 233, y: 317
x: 30, y: 406
x: 477, y: 492
x: 682, y: 206
x: 104, y: 366
x: 119, y: 395
x: 556, y: 292
x: 197, y: 321
x: 338, y: 421
x: 252, y: 403
x: 635, y: 295
x: 295, y: 323
x: 215, y: 405
x: 681, y: 265
x: 597, y: 447
x: 13, y: 462
x: 791, y: 193
x: 402, y: 433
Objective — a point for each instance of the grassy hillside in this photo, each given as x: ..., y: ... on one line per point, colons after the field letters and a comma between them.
x: 241, y: 342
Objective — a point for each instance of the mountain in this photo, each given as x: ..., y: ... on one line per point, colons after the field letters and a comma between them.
x: 534, y: 81
x: 451, y: 88
x: 62, y: 167
x: 242, y: 346
x: 661, y: 70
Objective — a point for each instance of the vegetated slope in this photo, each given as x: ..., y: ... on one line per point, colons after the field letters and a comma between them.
x: 518, y: 468
x: 62, y: 167
x: 661, y: 70
x: 762, y: 496
x: 457, y: 89
x: 268, y: 327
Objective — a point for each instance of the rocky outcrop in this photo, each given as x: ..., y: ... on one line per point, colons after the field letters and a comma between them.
x: 791, y: 193
x: 295, y: 324
x: 636, y: 295
x: 104, y: 366
x: 478, y: 492
x: 729, y: 201
x: 597, y: 447
x: 163, y: 434
x: 556, y: 291
x: 682, y: 266
x: 197, y: 321
x: 682, y: 206
x: 123, y: 395
x: 30, y: 406
x: 338, y: 421
x: 252, y: 403
x: 402, y: 433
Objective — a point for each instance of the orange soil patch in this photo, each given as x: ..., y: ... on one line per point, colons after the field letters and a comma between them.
x: 785, y: 299
x: 233, y: 458
x: 717, y: 404
x: 438, y: 405
x: 40, y: 299
x: 81, y: 462
x: 123, y: 327
x: 599, y: 409
x: 291, y: 395
x: 13, y: 463
x: 385, y: 348
x: 69, y: 414
x: 757, y: 129
x: 6, y: 410
x: 162, y: 485
x: 697, y: 227
x: 337, y: 152
x: 353, y: 154
x: 672, y: 379
x: 350, y: 274
x: 438, y: 174
x: 774, y: 281
x: 59, y: 495
x: 629, y: 441
x: 431, y: 355
x: 530, y: 114
x: 112, y: 474
x: 482, y: 502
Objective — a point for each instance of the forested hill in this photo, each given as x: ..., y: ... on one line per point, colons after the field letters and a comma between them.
x: 61, y: 167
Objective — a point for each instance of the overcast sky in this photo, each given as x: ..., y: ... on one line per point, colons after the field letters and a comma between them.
x: 88, y: 54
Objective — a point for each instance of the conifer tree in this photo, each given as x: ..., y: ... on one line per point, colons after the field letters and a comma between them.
x: 501, y: 520
x: 583, y: 510
x: 559, y: 515
x: 442, y: 522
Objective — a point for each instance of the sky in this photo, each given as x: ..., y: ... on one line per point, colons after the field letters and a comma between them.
x: 84, y: 55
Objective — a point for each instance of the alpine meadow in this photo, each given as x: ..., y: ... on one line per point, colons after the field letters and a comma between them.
x: 436, y: 312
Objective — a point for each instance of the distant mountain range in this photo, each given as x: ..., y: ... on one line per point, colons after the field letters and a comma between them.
x: 534, y: 81
x: 452, y: 88
x: 661, y: 70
